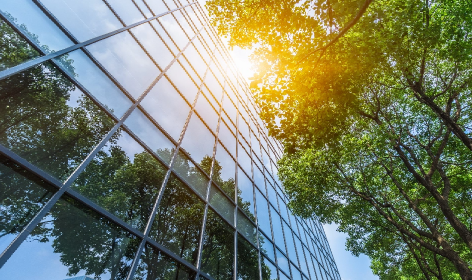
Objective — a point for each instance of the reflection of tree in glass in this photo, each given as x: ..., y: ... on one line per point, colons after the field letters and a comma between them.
x: 38, y: 119
x: 127, y: 188
x: 155, y: 265
x: 87, y: 241
x: 20, y: 197
x: 47, y: 121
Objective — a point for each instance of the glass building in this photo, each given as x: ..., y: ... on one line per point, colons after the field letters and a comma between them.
x: 131, y: 148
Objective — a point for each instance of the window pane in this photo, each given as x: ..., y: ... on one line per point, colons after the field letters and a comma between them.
x: 195, y: 60
x: 154, y: 265
x: 282, y: 261
x: 85, y: 19
x: 48, y: 121
x: 283, y: 276
x: 212, y: 84
x: 174, y: 29
x: 31, y: 20
x: 126, y: 61
x: 227, y: 138
x: 269, y: 271
x: 198, y: 141
x: 263, y: 213
x: 22, y: 195
x: 222, y: 204
x: 246, y: 228
x: 191, y: 174
x: 95, y: 81
x: 272, y: 195
x: 124, y: 179
x: 248, y: 260
x: 296, y: 273
x: 283, y: 209
x: 14, y: 49
x: 167, y: 107
x: 218, y: 248
x: 207, y: 112
x: 148, y: 37
x: 244, y: 160
x: 224, y: 170
x: 72, y: 240
x: 157, y: 6
x: 259, y: 179
x: 290, y: 245
x: 182, y: 81
x: 277, y: 227
x: 245, y: 194
x: 150, y: 135
x: 179, y: 220
x: 266, y: 247
x: 126, y: 10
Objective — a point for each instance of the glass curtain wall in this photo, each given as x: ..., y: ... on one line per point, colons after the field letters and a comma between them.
x: 131, y: 148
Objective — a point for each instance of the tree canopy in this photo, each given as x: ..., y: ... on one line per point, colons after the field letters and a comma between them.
x: 371, y: 100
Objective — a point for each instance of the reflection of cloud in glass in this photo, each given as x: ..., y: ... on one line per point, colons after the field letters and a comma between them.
x: 126, y: 61
x: 167, y: 107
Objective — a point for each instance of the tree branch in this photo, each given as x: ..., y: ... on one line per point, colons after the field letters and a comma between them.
x: 346, y: 28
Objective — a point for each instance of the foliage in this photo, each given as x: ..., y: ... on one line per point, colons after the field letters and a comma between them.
x: 375, y: 123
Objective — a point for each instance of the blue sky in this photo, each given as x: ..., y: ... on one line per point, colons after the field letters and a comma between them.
x: 350, y: 267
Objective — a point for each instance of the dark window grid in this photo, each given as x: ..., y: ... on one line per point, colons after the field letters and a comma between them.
x: 305, y: 260
x: 31, y: 63
x: 134, y: 37
x: 207, y: 199
x: 66, y: 185
x: 32, y: 169
x: 295, y: 247
x: 276, y: 207
x: 285, y: 251
x: 234, y: 227
x: 167, y: 176
x: 191, y: 25
x: 311, y: 262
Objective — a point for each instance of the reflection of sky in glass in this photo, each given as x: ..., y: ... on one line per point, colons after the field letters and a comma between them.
x: 167, y: 107
x: 98, y: 84
x: 85, y: 19
x: 198, y: 140
x: 126, y: 61
x: 36, y: 22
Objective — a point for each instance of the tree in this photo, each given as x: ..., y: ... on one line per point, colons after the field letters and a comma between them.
x: 370, y: 99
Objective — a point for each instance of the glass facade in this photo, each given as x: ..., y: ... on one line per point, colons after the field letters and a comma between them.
x: 131, y: 148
